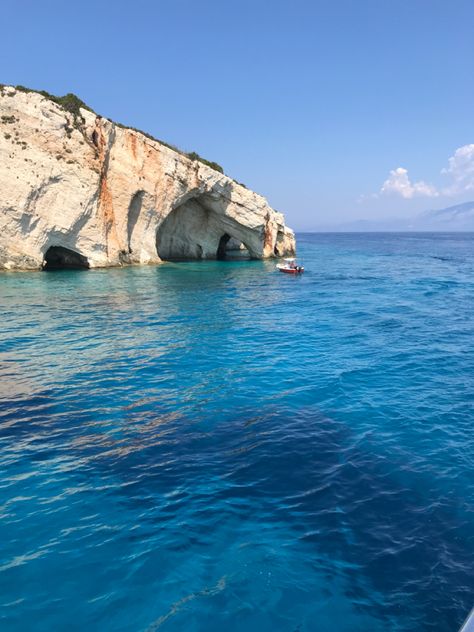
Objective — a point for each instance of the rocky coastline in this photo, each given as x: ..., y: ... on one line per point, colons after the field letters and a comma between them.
x: 78, y: 190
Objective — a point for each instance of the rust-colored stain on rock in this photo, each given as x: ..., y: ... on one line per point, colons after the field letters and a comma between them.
x: 133, y: 144
x: 106, y: 208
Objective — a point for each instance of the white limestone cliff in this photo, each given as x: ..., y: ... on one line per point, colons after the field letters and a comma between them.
x: 79, y: 189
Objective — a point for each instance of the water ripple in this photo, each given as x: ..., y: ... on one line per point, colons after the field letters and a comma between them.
x: 209, y: 445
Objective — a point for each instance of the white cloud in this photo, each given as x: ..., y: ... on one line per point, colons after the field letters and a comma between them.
x: 461, y: 170
x: 398, y: 183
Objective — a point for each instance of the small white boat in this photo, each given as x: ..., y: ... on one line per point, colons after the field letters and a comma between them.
x: 290, y: 266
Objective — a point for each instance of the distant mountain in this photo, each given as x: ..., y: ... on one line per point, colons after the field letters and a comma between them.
x: 458, y: 217
x: 453, y: 218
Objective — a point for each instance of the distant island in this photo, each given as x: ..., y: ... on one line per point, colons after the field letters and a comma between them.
x: 453, y: 218
x: 79, y: 190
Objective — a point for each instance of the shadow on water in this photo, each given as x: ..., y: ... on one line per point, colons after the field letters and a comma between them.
x: 403, y: 547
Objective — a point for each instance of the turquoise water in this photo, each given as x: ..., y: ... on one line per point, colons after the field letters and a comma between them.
x: 217, y: 446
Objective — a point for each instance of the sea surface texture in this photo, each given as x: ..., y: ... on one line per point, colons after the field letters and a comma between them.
x: 218, y: 446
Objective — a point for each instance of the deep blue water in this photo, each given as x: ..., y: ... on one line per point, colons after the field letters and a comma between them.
x: 217, y: 446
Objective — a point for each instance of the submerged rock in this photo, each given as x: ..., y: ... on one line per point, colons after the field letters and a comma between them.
x: 76, y: 188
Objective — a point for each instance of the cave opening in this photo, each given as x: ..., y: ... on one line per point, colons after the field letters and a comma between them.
x: 183, y: 233
x: 60, y: 258
x: 221, y: 254
x: 194, y: 230
x: 231, y: 249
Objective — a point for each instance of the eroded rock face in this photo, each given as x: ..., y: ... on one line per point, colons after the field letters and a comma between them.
x: 113, y: 196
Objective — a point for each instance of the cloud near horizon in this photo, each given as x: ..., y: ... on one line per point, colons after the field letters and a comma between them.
x: 399, y: 183
x: 460, y: 169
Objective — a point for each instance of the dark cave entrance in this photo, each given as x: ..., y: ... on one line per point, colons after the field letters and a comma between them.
x: 221, y: 254
x: 59, y: 258
x: 193, y: 231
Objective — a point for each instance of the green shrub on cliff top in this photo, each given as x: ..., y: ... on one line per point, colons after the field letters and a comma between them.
x: 213, y: 165
x: 69, y: 102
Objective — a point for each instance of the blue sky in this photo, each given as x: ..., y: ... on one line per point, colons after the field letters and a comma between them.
x: 311, y: 103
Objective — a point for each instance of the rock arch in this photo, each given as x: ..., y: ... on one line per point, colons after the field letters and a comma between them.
x: 61, y: 258
x: 195, y: 229
x: 232, y: 249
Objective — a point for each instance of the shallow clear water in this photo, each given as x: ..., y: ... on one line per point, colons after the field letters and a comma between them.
x: 209, y: 446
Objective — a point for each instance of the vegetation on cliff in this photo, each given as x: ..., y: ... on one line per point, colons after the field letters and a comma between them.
x: 73, y: 104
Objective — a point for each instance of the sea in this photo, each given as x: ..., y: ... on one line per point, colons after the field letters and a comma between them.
x: 209, y: 446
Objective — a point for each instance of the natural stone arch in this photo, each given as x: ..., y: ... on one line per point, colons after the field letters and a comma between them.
x: 61, y: 258
x: 231, y: 249
x: 182, y: 232
x: 237, y: 249
x: 195, y: 230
